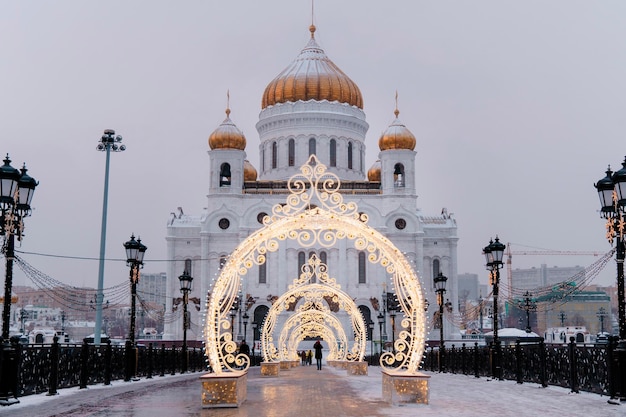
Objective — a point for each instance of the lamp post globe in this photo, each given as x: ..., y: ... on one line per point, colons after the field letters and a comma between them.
x: 186, y: 282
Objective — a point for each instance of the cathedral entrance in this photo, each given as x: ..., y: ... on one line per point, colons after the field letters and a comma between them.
x: 315, y: 215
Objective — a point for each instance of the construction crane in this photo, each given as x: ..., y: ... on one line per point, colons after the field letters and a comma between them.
x: 510, y: 253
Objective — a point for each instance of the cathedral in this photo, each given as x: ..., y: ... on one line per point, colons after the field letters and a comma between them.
x: 310, y: 108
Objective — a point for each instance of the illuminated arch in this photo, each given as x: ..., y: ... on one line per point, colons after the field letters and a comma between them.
x: 331, y: 220
x: 313, y: 324
x: 314, y: 297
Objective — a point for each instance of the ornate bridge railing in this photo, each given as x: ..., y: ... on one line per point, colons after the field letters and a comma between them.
x: 580, y: 368
x: 48, y: 367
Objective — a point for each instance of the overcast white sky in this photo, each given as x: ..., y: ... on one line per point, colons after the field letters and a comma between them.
x: 518, y: 108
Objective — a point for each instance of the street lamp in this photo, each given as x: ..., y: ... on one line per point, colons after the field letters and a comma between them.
x: 255, y: 326
x: 612, y: 192
x: 233, y: 314
x: 108, y: 142
x: 392, y: 315
x: 246, y: 317
x: 381, y: 321
x: 135, y: 251
x: 16, y: 193
x: 493, y: 255
x: 185, y: 287
x: 527, y: 304
x: 440, y: 289
x: 601, y: 315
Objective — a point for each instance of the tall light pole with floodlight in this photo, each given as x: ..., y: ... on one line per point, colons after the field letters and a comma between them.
x: 108, y: 143
x: 16, y: 193
x: 440, y: 288
x: 493, y: 256
x: 185, y: 287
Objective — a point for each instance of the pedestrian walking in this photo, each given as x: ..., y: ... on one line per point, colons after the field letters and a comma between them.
x: 318, y: 354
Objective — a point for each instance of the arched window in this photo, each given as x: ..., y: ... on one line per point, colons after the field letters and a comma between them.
x: 263, y: 272
x: 398, y: 175
x: 257, y: 321
x: 323, y: 258
x: 274, y: 154
x: 292, y: 152
x: 301, y: 259
x: 187, y: 269
x: 350, y: 155
x: 333, y: 153
x: 312, y: 147
x: 222, y: 261
x: 362, y: 277
x: 225, y: 175
x: 436, y: 268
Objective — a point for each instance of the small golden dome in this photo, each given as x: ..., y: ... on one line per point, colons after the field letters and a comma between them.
x: 227, y: 136
x: 312, y: 76
x: 249, y: 172
x: 397, y: 136
x: 374, y: 172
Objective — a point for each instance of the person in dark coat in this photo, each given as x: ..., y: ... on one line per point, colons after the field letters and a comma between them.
x: 318, y: 354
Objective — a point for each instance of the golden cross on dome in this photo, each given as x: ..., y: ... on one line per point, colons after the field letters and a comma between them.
x: 228, y: 103
x: 396, y: 111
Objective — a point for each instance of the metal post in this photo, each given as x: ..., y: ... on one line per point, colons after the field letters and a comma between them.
x: 109, y: 142
x: 134, y: 271
x: 442, y: 343
x: 184, y: 349
x: 9, y: 254
x: 496, y: 340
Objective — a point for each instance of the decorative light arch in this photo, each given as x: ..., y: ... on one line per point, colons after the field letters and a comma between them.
x: 330, y: 220
x: 318, y: 324
x: 314, y: 296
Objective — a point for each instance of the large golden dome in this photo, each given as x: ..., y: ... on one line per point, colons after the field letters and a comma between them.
x: 374, y: 172
x: 249, y: 171
x: 397, y: 136
x: 227, y: 136
x: 312, y: 76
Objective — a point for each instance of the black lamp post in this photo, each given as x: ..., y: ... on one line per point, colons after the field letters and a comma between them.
x: 185, y: 287
x: 381, y: 321
x: 528, y: 304
x: 384, y: 306
x: 440, y: 288
x: 612, y: 192
x: 135, y: 251
x: 16, y: 193
x: 601, y: 315
x: 246, y: 317
x: 480, y: 313
x: 493, y: 255
x: 255, y: 326
x: 392, y: 315
x: 562, y: 317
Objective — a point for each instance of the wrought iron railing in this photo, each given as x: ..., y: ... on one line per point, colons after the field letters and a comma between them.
x: 579, y: 368
x: 48, y: 367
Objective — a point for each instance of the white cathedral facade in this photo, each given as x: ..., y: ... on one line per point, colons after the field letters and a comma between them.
x: 311, y: 107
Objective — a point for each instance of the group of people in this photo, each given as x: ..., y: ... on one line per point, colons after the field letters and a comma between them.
x: 307, y: 355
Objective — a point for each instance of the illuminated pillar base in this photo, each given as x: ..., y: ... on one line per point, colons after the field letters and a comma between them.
x: 357, y: 368
x: 341, y: 364
x: 331, y: 363
x: 400, y: 388
x: 270, y: 368
x: 224, y: 390
x: 285, y: 365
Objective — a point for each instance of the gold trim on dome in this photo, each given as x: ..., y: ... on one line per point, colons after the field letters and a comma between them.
x: 397, y: 136
x: 227, y: 135
x: 374, y: 173
x: 312, y: 76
